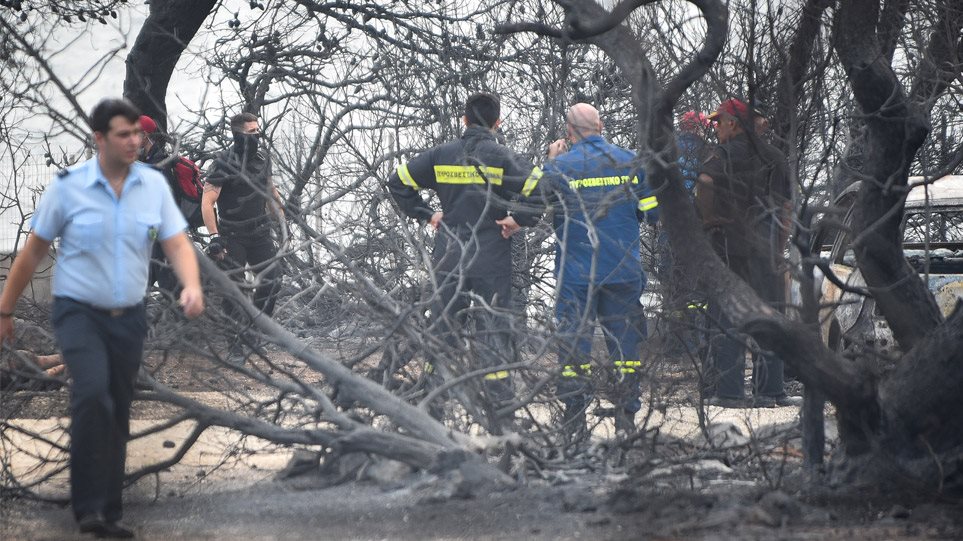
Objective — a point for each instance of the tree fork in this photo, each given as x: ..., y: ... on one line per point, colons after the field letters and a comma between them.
x: 896, y: 131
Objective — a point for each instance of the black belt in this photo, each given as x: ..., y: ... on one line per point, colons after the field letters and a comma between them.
x: 117, y: 312
x: 110, y: 312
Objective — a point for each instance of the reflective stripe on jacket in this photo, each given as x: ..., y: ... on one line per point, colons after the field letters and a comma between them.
x: 600, y: 195
x: 476, y: 179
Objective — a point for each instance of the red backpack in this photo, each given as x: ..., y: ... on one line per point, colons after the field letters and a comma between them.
x: 188, y: 189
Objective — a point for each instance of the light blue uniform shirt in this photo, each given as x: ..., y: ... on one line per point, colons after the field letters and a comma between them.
x: 105, y: 241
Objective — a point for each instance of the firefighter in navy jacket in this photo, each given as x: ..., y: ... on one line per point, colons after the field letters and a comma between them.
x: 599, y: 196
x: 476, y: 180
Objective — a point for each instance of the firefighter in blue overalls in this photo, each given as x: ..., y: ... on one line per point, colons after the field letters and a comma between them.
x: 476, y: 179
x: 599, y: 196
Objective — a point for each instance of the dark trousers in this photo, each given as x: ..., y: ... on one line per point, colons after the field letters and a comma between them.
x: 103, y: 353
x: 729, y: 349
x: 258, y: 251
x: 683, y: 305
x: 617, y: 309
x: 492, y: 331
x: 161, y: 272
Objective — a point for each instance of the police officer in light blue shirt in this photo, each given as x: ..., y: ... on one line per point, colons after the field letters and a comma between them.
x: 107, y: 213
x: 106, y: 239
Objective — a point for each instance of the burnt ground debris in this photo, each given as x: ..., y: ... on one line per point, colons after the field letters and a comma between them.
x: 747, y: 486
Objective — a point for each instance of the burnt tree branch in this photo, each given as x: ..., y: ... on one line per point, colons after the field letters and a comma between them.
x: 150, y: 64
x: 891, y: 22
x: 372, y: 395
x: 797, y: 62
x: 578, y: 28
x: 943, y: 57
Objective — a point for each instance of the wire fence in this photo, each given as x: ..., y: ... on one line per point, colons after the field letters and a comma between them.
x: 21, y: 189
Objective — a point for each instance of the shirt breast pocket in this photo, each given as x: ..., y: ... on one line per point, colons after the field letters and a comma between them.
x: 89, y: 229
x: 147, y: 227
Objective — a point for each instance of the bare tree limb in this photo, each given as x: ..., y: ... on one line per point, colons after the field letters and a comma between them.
x: 150, y: 64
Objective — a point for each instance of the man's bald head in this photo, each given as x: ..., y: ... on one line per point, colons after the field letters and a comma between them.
x: 583, y: 121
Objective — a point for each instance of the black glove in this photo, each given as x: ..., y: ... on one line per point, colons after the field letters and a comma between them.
x: 216, y: 246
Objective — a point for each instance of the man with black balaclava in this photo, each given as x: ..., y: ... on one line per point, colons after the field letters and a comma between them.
x: 239, y: 183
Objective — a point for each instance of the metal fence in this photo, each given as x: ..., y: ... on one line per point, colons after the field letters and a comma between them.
x: 21, y: 189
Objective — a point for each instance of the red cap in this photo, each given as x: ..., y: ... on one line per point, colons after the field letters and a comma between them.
x: 732, y: 107
x: 147, y: 124
x: 693, y: 120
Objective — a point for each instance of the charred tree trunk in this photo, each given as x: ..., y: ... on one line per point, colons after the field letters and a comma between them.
x: 919, y: 400
x: 891, y: 22
x: 166, y: 33
x: 922, y: 397
x: 895, y: 130
x: 843, y: 382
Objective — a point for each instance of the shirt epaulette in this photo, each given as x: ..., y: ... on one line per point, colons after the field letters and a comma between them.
x: 66, y: 171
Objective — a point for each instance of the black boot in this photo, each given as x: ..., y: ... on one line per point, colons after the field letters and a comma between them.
x: 574, y: 429
x: 624, y: 422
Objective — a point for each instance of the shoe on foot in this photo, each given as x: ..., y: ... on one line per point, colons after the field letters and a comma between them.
x: 236, y: 354
x: 92, y: 523
x: 727, y: 402
x: 117, y: 530
x: 777, y: 401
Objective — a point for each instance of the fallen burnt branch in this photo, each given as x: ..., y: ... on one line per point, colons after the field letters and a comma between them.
x: 362, y: 389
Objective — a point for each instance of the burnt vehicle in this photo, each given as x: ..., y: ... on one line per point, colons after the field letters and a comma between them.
x: 932, y: 243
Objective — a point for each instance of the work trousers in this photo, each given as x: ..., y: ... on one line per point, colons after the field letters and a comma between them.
x: 485, y: 301
x: 257, y: 251
x: 729, y: 349
x: 161, y: 272
x: 683, y: 305
x: 103, y: 351
x: 617, y: 309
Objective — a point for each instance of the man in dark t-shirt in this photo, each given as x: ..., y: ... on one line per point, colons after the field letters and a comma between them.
x: 239, y: 182
x: 744, y: 197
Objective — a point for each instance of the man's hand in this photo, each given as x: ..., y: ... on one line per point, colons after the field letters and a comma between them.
x: 557, y: 147
x: 435, y: 220
x: 216, y: 248
x: 192, y: 301
x: 180, y: 252
x: 509, y: 226
x: 17, y: 279
x: 6, y: 330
